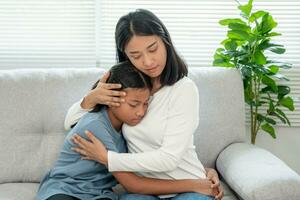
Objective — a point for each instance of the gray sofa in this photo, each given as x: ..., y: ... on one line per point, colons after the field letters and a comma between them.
x: 34, y: 103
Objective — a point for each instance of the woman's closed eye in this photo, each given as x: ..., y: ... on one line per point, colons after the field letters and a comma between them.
x: 152, y: 50
x: 135, y: 57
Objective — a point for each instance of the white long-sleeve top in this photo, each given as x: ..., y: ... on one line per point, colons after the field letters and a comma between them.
x: 161, y: 145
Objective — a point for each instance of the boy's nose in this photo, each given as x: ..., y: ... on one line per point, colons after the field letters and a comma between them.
x: 140, y: 112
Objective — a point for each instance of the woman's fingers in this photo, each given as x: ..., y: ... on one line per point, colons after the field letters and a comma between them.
x: 109, y: 86
x: 104, y: 78
x: 215, y: 183
x: 108, y: 96
x: 117, y: 93
x: 91, y: 136
x: 220, y: 194
x: 81, y: 142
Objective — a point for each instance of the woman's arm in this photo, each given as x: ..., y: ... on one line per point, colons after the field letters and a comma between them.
x: 142, y: 185
x: 181, y: 123
x: 103, y: 93
x: 74, y: 113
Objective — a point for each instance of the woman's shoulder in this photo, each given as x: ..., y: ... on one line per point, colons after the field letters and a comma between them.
x: 184, y: 82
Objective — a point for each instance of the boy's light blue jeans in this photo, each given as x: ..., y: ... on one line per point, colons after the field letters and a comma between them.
x: 182, y: 196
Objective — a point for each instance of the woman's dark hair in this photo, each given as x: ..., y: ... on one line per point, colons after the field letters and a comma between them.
x: 128, y: 76
x: 144, y: 23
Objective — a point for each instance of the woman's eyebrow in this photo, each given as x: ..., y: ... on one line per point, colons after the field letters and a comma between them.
x: 151, y: 45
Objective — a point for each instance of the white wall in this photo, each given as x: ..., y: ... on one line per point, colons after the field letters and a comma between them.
x: 286, y: 146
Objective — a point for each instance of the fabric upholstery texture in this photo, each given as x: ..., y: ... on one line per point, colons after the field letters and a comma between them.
x: 33, y: 107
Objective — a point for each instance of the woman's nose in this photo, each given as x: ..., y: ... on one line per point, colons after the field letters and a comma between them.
x: 148, y: 60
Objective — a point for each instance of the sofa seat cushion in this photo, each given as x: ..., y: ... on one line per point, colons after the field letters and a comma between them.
x: 17, y: 191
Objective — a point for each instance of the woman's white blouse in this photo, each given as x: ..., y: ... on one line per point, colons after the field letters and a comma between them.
x: 161, y: 145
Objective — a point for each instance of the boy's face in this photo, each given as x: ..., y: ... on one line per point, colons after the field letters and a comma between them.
x: 134, y: 108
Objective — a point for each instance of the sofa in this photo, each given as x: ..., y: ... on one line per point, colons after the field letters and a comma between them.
x: 34, y: 103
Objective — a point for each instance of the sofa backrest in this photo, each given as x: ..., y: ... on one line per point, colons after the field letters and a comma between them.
x: 32, y: 111
x: 221, y: 110
x: 34, y: 103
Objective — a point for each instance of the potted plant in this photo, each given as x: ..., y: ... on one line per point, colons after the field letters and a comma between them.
x: 248, y: 39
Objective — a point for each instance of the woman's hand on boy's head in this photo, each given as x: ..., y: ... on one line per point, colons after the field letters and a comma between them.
x: 90, y: 150
x: 104, y: 93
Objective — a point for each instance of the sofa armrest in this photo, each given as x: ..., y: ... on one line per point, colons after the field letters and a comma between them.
x: 256, y: 174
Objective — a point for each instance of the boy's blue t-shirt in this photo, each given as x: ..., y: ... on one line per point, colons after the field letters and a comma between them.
x: 84, y: 179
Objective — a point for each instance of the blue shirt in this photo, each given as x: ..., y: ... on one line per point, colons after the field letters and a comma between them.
x: 84, y: 179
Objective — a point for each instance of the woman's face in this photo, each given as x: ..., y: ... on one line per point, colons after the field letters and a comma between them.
x: 148, y: 54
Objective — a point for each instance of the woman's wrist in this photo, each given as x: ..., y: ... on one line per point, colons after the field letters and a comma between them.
x: 86, y: 103
x: 196, y: 185
x: 103, y: 158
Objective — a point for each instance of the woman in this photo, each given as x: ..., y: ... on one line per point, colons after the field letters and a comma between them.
x: 73, y: 178
x: 161, y: 145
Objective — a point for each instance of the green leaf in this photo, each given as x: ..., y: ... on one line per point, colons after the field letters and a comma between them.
x: 288, y: 103
x: 271, y: 107
x: 257, y: 15
x: 266, y: 44
x: 260, y: 117
x: 246, y: 71
x: 266, y: 90
x: 270, y: 82
x: 272, y: 34
x: 283, y: 90
x: 222, y: 63
x: 238, y: 35
x: 270, y: 120
x: 279, y: 64
x: 278, y: 116
x: 221, y: 60
x: 249, y: 95
x: 267, y: 23
x: 269, y: 129
x: 260, y: 58
x: 278, y: 50
x: 239, y: 26
x: 225, y: 22
x: 274, y: 69
x: 246, y: 9
x: 280, y: 112
x: 281, y: 77
x: 230, y: 45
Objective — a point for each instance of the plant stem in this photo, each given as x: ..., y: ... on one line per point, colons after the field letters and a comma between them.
x: 257, y: 96
x: 255, y: 112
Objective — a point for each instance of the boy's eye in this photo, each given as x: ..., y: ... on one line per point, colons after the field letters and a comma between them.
x: 132, y: 105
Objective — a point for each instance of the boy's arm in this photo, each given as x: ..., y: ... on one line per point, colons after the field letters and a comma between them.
x: 142, y: 185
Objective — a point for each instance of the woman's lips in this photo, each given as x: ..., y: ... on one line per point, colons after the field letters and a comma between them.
x: 152, y: 69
